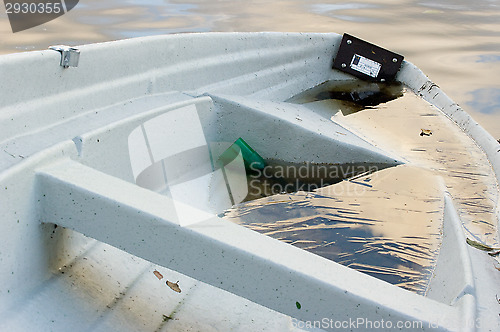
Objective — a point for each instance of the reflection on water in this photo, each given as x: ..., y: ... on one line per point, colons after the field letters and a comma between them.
x: 386, y: 223
x: 465, y: 170
x: 335, y: 10
x: 486, y: 100
x: 351, y: 96
x: 345, y: 223
x: 488, y: 58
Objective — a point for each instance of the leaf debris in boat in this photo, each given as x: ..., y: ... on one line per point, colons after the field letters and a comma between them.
x: 158, y: 274
x: 174, y: 286
x: 297, y: 304
x: 426, y: 132
x: 480, y: 246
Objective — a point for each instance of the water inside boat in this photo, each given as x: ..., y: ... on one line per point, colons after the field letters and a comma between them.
x: 383, y: 222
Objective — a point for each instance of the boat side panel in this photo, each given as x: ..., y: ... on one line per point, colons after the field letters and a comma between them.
x: 109, y: 73
x: 28, y: 256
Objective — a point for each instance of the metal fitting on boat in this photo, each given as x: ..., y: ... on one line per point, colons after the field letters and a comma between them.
x: 70, y: 56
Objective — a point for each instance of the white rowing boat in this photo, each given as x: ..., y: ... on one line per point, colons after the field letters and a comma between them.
x: 111, y: 184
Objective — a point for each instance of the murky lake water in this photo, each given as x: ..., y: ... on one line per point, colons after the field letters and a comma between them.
x: 384, y: 222
x: 455, y: 42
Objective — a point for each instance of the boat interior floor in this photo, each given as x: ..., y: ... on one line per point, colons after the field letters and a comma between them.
x: 386, y: 221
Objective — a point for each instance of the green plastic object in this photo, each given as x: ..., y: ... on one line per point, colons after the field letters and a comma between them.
x: 251, y: 158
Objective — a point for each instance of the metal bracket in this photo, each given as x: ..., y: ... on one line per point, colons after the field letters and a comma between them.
x: 366, y: 61
x: 69, y: 55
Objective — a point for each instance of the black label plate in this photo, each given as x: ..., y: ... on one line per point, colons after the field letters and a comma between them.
x: 366, y: 61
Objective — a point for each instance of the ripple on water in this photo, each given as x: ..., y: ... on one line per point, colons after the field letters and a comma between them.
x: 388, y: 223
x: 383, y: 230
